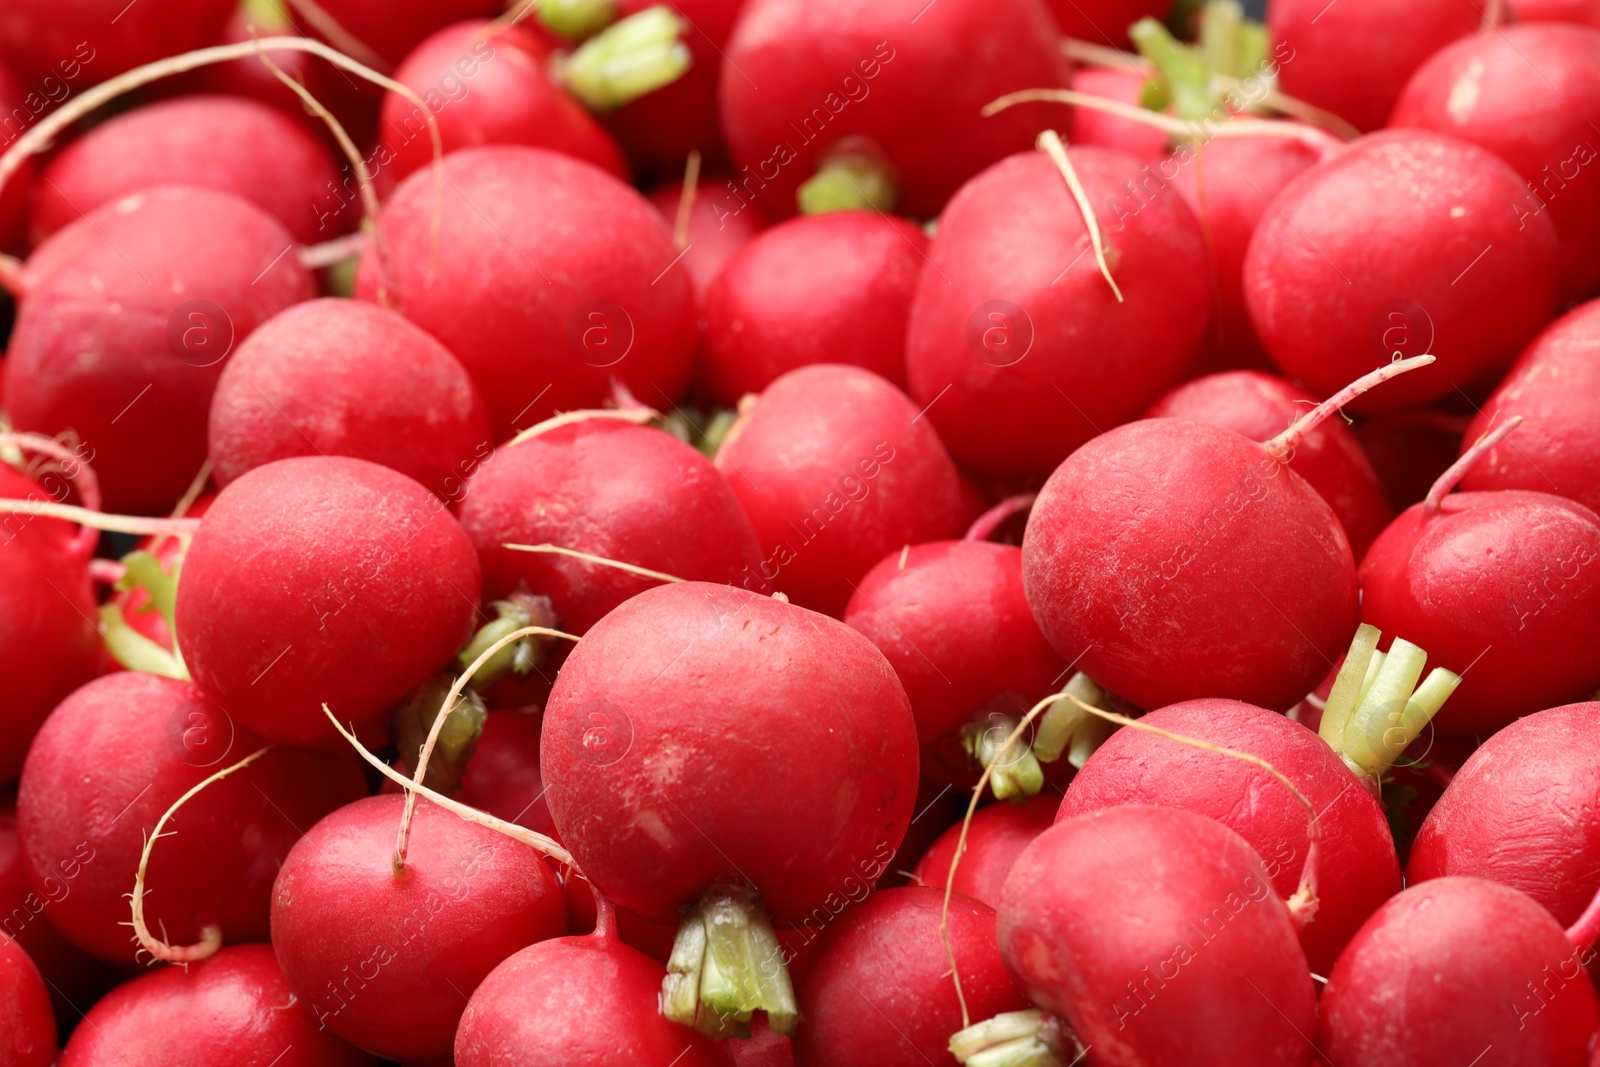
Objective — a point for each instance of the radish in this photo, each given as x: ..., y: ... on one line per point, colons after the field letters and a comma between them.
x: 370, y: 588
x: 1531, y: 95
x: 1017, y: 347
x: 835, y: 469
x: 1454, y: 969
x: 1552, y: 386
x: 1103, y: 130
x: 1527, y: 646
x: 1410, y: 449
x: 129, y: 362
x: 603, y: 488
x: 486, y: 84
x: 542, y: 306
x: 878, y: 991
x: 762, y: 1048
x: 670, y: 681
x: 1328, y: 456
x: 1354, y: 59
x: 833, y: 288
x: 1408, y: 236
x: 318, y: 379
x: 503, y: 776
x: 233, y: 1007
x: 224, y: 143
x: 1584, y: 12
x: 109, y: 761
x: 837, y: 97
x: 1156, y: 936
x: 995, y: 838
x: 388, y: 31
x: 708, y: 235
x: 1234, y: 577
x: 25, y: 1015
x: 83, y: 42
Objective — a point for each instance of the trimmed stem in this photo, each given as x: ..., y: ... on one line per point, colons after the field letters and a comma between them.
x: 1282, y: 446
x: 849, y: 182
x: 137, y: 525
x: 1376, y: 709
x: 1063, y: 721
x: 1348, y: 685
x: 1182, y: 70
x: 210, y: 936
x: 1050, y: 143
x: 587, y: 557
x: 1458, y: 470
x: 685, y: 213
x: 520, y: 658
x: 985, y: 525
x: 1010, y: 1039
x: 638, y: 417
x: 1014, y: 770
x: 79, y: 473
x: 576, y: 19
x: 726, y: 965
x: 629, y: 59
x: 133, y: 649
x: 143, y: 570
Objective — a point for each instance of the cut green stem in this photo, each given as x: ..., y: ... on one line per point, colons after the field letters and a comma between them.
x: 1010, y: 1039
x: 629, y: 59
x: 726, y: 965
x: 1376, y: 707
x: 1184, y: 75
x: 1014, y: 770
x: 576, y: 19
x: 850, y: 181
x: 521, y: 657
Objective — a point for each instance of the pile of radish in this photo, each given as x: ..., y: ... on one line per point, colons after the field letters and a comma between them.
x: 799, y: 533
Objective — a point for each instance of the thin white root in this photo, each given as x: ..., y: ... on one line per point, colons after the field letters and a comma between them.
x: 587, y: 557
x: 137, y: 525
x: 1447, y: 481
x: 1050, y: 143
x: 341, y: 38
x: 1282, y: 446
x: 326, y: 254
x: 74, y: 468
x: 639, y: 416
x: 691, y: 185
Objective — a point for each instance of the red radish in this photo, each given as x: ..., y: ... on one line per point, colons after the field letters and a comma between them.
x: 804, y: 79
x: 995, y: 838
x: 832, y: 288
x: 25, y: 1016
x: 1584, y: 12
x: 542, y: 305
x: 835, y: 469
x: 1355, y: 865
x: 878, y: 991
x: 1156, y: 935
x: 124, y: 319
x: 763, y: 1048
x: 395, y: 27
x: 1017, y: 345
x: 609, y: 489
x: 1103, y: 130
x: 319, y: 580
x: 1408, y: 236
x: 110, y: 760
x: 1104, y: 21
x: 1454, y: 969
x: 1552, y: 386
x: 1353, y: 59
x: 14, y: 195
x: 485, y: 85
x: 708, y: 236
x: 320, y: 379
x: 664, y: 812
x: 224, y: 143
x: 1410, y: 449
x: 1328, y: 457
x: 503, y: 776
x: 1499, y: 587
x: 232, y: 1008
x: 83, y: 42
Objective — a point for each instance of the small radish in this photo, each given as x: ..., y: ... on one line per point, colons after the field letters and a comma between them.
x: 542, y: 306
x: 708, y: 235
x: 1410, y: 449
x: 834, y: 99
x: 317, y: 580
x: 232, y: 1008
x: 385, y: 955
x: 319, y: 379
x: 1531, y: 95
x: 1456, y: 969
x: 995, y: 838
x: 114, y: 756
x: 603, y: 488
x: 26, y: 1019
x: 224, y: 143
x: 831, y: 288
x: 392, y: 28
x: 1354, y: 58
x: 82, y: 43
x: 1328, y: 457
x: 123, y: 320
x: 835, y: 469
x: 1103, y: 130
x: 1234, y: 578
x: 1553, y: 387
x: 672, y: 681
x: 877, y: 990
x: 485, y: 84
x: 1018, y: 349
x: 1528, y: 645
x: 1408, y: 241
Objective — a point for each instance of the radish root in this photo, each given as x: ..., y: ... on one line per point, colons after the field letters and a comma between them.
x: 984, y: 526
x: 587, y: 557
x: 75, y: 469
x: 1458, y: 470
x: 1050, y: 143
x: 691, y: 185
x: 1282, y: 446
x: 137, y: 525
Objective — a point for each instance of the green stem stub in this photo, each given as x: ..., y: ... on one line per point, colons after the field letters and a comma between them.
x: 458, y: 737
x: 849, y: 181
x: 1010, y: 1039
x: 576, y: 19
x: 726, y: 965
x: 628, y: 59
x: 1376, y: 708
x: 521, y: 657
x: 1014, y: 771
x: 129, y: 647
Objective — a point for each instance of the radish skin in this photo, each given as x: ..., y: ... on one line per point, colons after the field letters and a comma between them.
x: 25, y: 1015
x: 996, y: 836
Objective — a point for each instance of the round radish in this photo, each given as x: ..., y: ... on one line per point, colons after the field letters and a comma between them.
x: 319, y: 379
x: 1328, y: 457
x: 542, y: 305
x: 82, y: 42
x: 123, y: 322
x: 387, y: 958
x: 835, y: 469
x: 1454, y: 969
x: 712, y: 232
x: 110, y: 760
x: 1018, y: 348
x: 995, y: 838
x: 1407, y: 237
x: 318, y: 580
x: 806, y: 78
x: 1531, y: 95
x: 26, y: 1020
x: 1355, y: 865
x: 232, y: 1008
x: 1552, y: 386
x: 392, y: 28
x: 831, y: 288
x: 1103, y: 130
x: 1354, y: 58
x: 225, y: 143
x: 618, y: 491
